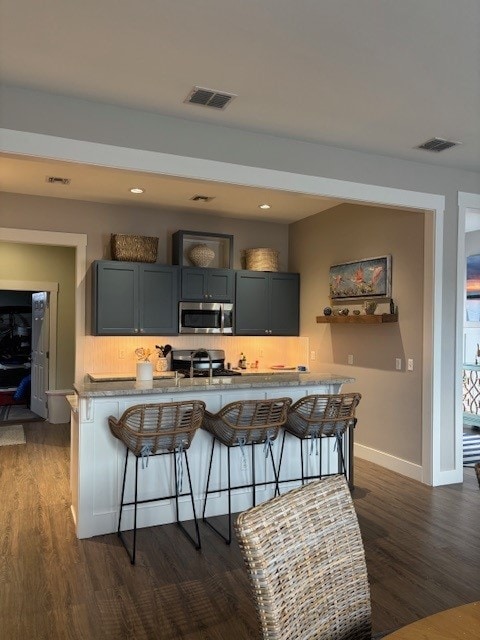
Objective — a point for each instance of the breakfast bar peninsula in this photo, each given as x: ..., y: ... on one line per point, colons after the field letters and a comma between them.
x: 97, y: 458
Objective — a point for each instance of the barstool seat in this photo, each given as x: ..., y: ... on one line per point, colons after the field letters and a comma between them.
x: 319, y: 416
x: 158, y: 429
x: 240, y: 424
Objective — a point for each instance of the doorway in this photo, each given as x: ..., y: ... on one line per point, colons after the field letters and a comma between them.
x: 29, y: 362
x: 468, y: 314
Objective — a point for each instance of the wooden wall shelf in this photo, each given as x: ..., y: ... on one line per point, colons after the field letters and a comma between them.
x: 376, y: 318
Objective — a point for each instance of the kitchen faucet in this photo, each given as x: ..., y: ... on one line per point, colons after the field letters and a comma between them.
x: 201, y: 352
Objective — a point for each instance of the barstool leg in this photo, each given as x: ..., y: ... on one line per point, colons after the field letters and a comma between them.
x: 321, y: 456
x: 208, y: 479
x: 276, y: 474
x: 196, y: 543
x: 277, y: 487
x: 135, y: 513
x: 254, y: 494
x: 228, y: 539
x: 341, y: 458
x: 123, y: 491
x: 131, y: 554
x: 301, y: 460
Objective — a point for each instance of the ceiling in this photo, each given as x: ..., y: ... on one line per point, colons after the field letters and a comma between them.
x: 379, y: 76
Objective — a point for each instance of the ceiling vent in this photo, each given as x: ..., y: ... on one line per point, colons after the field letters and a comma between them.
x: 437, y: 144
x: 199, y: 198
x: 209, y: 98
x: 56, y: 180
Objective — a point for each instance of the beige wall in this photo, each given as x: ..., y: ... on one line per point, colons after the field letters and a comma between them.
x: 390, y: 417
x: 36, y: 263
x: 98, y: 221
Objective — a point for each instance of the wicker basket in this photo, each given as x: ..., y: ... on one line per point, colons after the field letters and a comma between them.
x: 261, y: 259
x: 134, y: 248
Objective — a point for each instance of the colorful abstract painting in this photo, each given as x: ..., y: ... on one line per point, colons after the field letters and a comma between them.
x: 473, y: 289
x: 362, y: 279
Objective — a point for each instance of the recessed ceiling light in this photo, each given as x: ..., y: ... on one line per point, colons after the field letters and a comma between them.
x: 264, y: 206
x: 137, y: 190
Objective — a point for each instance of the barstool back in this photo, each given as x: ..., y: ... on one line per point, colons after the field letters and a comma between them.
x: 247, y: 421
x: 322, y: 415
x: 165, y: 426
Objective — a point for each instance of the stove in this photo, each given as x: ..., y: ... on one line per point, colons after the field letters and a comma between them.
x: 182, y: 359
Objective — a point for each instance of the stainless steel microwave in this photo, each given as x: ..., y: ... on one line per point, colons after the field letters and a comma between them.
x: 205, y: 317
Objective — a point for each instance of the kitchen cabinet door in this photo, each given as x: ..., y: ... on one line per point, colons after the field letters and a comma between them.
x: 207, y: 285
x: 131, y: 298
x: 284, y: 304
x: 251, y: 303
x: 158, y: 296
x: 267, y: 303
x: 115, y: 298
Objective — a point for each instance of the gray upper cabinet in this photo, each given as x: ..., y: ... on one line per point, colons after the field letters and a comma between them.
x: 267, y: 303
x: 207, y: 285
x: 131, y: 298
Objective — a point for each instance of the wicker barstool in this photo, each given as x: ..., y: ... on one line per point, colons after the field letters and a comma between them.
x: 315, y: 417
x: 306, y: 564
x: 240, y: 424
x: 153, y: 430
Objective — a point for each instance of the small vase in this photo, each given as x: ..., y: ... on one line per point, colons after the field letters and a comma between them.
x: 370, y: 307
x: 201, y: 255
x: 161, y: 365
x: 144, y: 371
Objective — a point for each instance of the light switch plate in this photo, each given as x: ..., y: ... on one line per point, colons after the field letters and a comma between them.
x: 398, y: 364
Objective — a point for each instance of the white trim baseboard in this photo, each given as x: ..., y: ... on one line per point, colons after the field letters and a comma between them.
x: 404, y: 467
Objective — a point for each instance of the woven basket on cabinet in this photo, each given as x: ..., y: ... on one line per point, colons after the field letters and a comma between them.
x: 133, y: 248
x: 261, y: 259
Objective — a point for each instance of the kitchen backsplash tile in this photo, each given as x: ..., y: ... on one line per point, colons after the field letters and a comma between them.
x: 114, y: 354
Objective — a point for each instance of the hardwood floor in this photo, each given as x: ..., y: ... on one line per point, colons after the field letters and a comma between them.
x: 422, y: 547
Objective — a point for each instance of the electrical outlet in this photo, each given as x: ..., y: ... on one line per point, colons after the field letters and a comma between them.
x: 410, y: 364
x: 398, y: 364
x: 350, y: 358
x: 312, y: 355
x: 121, y: 354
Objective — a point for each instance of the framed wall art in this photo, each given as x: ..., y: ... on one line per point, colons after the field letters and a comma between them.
x: 361, y: 279
x: 472, y: 305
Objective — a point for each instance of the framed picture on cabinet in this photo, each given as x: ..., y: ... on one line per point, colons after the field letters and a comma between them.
x: 361, y: 279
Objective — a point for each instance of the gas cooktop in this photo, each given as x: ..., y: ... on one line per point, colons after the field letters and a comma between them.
x: 202, y: 360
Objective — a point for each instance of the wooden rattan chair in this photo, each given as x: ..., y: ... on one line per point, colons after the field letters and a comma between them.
x: 305, y: 560
x: 315, y: 417
x: 239, y: 424
x: 158, y: 429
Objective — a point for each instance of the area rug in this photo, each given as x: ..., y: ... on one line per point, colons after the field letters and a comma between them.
x: 17, y: 413
x: 12, y: 434
x: 471, y: 449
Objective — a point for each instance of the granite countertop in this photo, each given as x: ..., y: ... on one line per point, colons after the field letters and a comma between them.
x: 131, y: 387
